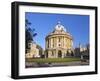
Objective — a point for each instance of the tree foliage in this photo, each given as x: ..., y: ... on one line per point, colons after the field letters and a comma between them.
x: 29, y: 34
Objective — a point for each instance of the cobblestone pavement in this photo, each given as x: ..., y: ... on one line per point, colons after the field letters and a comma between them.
x: 76, y: 63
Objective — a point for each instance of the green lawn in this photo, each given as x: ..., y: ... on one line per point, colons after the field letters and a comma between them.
x: 52, y: 60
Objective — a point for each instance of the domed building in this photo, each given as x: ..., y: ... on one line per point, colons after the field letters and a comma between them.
x: 59, y: 43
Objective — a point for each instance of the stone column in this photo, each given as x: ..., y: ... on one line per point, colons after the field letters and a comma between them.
x: 56, y: 53
x: 55, y: 42
x: 72, y: 43
x: 49, y: 43
x: 64, y: 42
x: 62, y: 54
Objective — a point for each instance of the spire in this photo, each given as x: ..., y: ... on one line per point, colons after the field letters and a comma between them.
x: 59, y: 22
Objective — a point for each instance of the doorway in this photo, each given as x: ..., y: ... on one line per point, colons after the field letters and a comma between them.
x: 59, y: 54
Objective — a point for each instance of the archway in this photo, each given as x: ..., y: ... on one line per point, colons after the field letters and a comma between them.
x: 59, y: 53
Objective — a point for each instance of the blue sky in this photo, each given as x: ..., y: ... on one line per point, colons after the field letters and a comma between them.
x: 44, y: 23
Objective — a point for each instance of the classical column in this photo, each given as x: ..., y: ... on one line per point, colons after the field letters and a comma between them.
x: 50, y: 42
x: 55, y: 42
x: 64, y: 42
x: 56, y: 53
x: 72, y: 43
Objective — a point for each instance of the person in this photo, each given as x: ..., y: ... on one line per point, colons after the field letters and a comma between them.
x: 81, y: 58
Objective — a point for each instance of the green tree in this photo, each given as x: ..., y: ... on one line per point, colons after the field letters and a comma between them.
x: 29, y: 34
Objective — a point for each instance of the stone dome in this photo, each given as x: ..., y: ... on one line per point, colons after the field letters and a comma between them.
x: 60, y: 27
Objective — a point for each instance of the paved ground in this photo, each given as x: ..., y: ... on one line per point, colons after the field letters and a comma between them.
x: 76, y: 63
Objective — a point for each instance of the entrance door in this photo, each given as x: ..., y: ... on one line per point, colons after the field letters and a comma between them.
x: 59, y: 53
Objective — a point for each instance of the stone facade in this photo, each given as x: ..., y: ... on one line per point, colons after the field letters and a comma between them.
x: 33, y: 52
x: 58, y: 43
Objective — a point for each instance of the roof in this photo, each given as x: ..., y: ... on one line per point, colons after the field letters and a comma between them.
x: 59, y: 29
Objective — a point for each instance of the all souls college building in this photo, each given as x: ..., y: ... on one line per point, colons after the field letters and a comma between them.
x: 58, y: 43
